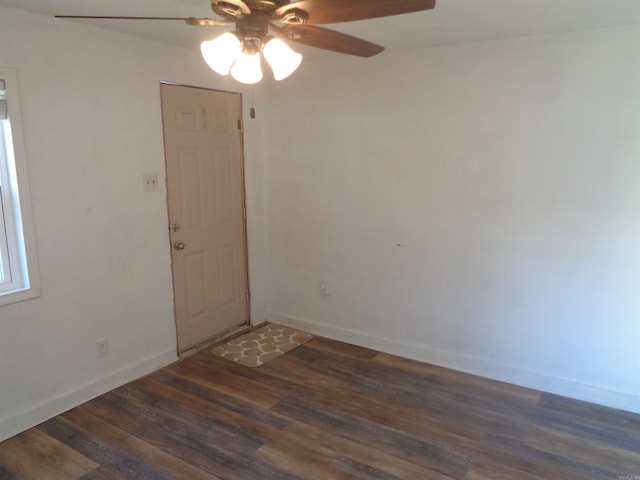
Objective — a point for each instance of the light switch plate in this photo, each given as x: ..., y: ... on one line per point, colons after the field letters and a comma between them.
x: 151, y: 182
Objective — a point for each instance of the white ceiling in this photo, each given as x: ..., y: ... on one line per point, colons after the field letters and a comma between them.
x: 451, y: 22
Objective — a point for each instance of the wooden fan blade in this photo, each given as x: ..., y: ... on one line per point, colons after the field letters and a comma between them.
x: 196, y: 22
x: 122, y: 18
x: 326, y: 39
x: 336, y: 11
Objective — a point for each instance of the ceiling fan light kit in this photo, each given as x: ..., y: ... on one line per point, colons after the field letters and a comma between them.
x: 228, y: 54
x: 239, y: 53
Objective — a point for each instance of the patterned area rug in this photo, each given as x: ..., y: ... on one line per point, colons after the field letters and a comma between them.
x: 261, y: 345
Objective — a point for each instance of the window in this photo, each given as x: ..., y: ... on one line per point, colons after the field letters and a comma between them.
x: 18, y: 273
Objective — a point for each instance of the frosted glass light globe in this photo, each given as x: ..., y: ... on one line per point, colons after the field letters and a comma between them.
x: 246, y: 68
x: 221, y: 52
x: 281, y: 58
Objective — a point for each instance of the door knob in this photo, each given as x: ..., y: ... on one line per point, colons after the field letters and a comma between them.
x: 178, y: 246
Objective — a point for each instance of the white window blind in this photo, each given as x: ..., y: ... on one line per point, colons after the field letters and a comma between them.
x: 5, y: 267
x: 4, y: 108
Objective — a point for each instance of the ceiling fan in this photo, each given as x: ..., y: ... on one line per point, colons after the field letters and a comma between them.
x: 238, y: 52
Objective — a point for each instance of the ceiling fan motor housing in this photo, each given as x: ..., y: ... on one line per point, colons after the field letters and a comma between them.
x: 252, y: 31
x: 263, y: 5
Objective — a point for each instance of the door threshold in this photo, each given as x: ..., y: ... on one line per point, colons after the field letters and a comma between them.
x: 224, y: 335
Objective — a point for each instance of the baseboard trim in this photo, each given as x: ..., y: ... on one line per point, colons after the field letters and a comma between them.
x: 467, y: 364
x: 41, y: 412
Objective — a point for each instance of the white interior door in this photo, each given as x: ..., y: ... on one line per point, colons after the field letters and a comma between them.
x: 205, y: 184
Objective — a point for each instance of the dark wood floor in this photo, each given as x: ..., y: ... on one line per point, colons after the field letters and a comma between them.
x: 326, y: 410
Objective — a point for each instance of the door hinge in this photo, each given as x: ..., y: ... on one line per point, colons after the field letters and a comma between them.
x: 244, y: 211
x: 248, y: 294
x: 240, y: 124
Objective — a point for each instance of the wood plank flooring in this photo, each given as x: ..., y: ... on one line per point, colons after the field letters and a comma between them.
x: 326, y: 410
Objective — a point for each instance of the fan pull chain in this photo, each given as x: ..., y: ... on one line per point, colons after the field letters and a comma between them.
x: 252, y: 110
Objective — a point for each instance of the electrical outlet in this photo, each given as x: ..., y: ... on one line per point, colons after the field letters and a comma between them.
x: 102, y: 347
x: 324, y: 289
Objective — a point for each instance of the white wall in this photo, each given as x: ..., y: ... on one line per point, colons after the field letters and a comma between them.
x: 475, y: 206
x: 92, y: 127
